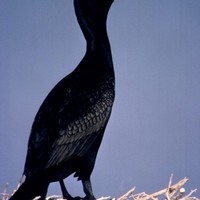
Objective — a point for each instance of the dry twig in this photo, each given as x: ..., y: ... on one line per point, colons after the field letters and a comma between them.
x: 172, y: 192
x: 4, y: 193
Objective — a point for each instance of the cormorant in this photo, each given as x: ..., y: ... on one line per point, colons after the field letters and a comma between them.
x: 70, y: 124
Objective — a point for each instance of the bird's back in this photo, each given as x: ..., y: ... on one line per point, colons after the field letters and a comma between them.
x: 72, y: 116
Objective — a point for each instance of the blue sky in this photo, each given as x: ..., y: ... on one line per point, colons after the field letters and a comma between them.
x: 154, y: 129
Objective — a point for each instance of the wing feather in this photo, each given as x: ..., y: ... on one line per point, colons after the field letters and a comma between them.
x: 72, y: 140
x: 67, y: 125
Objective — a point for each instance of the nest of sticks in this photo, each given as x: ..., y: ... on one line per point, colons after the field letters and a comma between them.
x: 172, y: 192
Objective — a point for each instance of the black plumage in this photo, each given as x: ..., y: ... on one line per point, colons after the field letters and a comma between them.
x: 69, y: 126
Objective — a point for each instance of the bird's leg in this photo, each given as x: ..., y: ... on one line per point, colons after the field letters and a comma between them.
x: 87, y: 187
x: 65, y: 193
x: 42, y: 197
x: 43, y: 191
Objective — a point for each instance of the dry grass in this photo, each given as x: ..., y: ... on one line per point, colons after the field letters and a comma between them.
x: 172, y: 192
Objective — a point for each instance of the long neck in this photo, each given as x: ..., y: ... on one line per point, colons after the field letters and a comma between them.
x: 92, y: 16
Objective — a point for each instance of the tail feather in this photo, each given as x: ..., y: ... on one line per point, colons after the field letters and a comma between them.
x: 31, y: 189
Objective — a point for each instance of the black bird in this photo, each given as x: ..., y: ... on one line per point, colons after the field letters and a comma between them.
x: 69, y: 126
